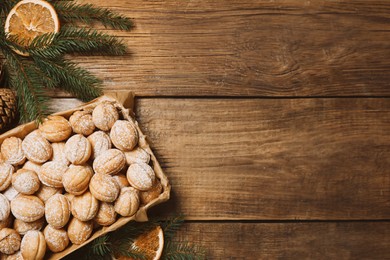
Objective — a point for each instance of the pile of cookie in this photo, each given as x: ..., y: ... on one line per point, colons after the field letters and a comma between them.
x: 68, y: 177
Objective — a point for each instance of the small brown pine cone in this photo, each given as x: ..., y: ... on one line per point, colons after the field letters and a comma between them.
x: 8, y: 107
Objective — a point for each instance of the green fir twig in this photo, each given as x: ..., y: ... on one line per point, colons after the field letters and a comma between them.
x: 71, y: 40
x: 182, y: 251
x: 25, y: 78
x: 126, y: 249
x: 46, y: 66
x: 6, y: 6
x: 71, y: 12
x: 101, y: 246
x: 172, y: 225
x: 120, y: 242
x: 70, y: 77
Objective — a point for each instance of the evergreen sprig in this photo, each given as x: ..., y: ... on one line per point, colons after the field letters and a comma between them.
x: 101, y: 246
x: 70, y: 77
x: 172, y: 225
x: 29, y: 88
x: 6, y: 6
x: 46, y: 66
x: 72, y: 12
x: 120, y: 242
x: 73, y: 40
x: 26, y: 80
x: 182, y: 251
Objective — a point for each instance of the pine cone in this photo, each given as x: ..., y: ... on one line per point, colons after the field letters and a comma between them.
x: 8, y: 107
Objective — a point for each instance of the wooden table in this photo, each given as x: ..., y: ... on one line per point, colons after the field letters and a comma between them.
x: 271, y: 119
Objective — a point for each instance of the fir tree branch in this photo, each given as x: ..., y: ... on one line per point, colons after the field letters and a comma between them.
x: 171, y: 226
x: 126, y: 249
x: 46, y: 66
x: 101, y: 246
x: 182, y: 251
x: 6, y: 6
x: 70, y: 77
x: 10, y: 43
x: 120, y: 242
x: 72, y: 40
x: 24, y: 79
x: 87, y: 13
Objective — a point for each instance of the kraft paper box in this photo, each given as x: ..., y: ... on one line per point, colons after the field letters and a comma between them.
x: 124, y: 103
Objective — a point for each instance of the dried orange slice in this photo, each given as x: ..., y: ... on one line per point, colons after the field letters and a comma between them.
x: 151, y: 244
x: 29, y: 19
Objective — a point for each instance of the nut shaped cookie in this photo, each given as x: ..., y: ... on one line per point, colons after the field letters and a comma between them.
x: 153, y: 193
x: 104, y: 187
x: 6, y: 171
x: 124, y: 135
x: 5, y: 208
x: 45, y: 192
x: 104, y: 116
x: 32, y: 166
x: 128, y: 202
x: 121, y: 180
x: 55, y: 128
x: 9, y: 241
x: 23, y: 227
x: 106, y: 214
x: 59, y: 153
x: 81, y: 122
x: 36, y: 148
x: 84, y: 206
x: 78, y: 149
x: 56, y: 239
x: 33, y: 246
x: 11, y: 193
x: 15, y: 256
x: 100, y: 142
x: 79, y: 231
x: 76, y: 179
x: 51, y: 173
x: 25, y: 181
x: 141, y: 176
x: 27, y: 208
x: 12, y: 151
x: 109, y: 162
x: 137, y: 155
x: 70, y: 197
x: 57, y: 211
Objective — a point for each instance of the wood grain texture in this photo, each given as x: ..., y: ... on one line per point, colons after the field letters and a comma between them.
x: 255, y: 241
x: 274, y: 159
x: 282, y: 159
x: 250, y: 48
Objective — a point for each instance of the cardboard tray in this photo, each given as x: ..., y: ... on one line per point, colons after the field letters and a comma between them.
x: 124, y: 103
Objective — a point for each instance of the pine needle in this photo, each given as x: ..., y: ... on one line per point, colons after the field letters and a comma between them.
x: 182, y: 251
x: 26, y: 81
x: 71, y: 78
x: 120, y: 242
x: 101, y: 246
x: 126, y: 249
x: 46, y: 66
x: 71, y: 40
x: 171, y: 226
x: 72, y: 12
x: 6, y: 6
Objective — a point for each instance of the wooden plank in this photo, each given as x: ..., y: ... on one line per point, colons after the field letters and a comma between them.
x: 274, y: 159
x: 260, y: 159
x: 250, y: 48
x: 366, y: 240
